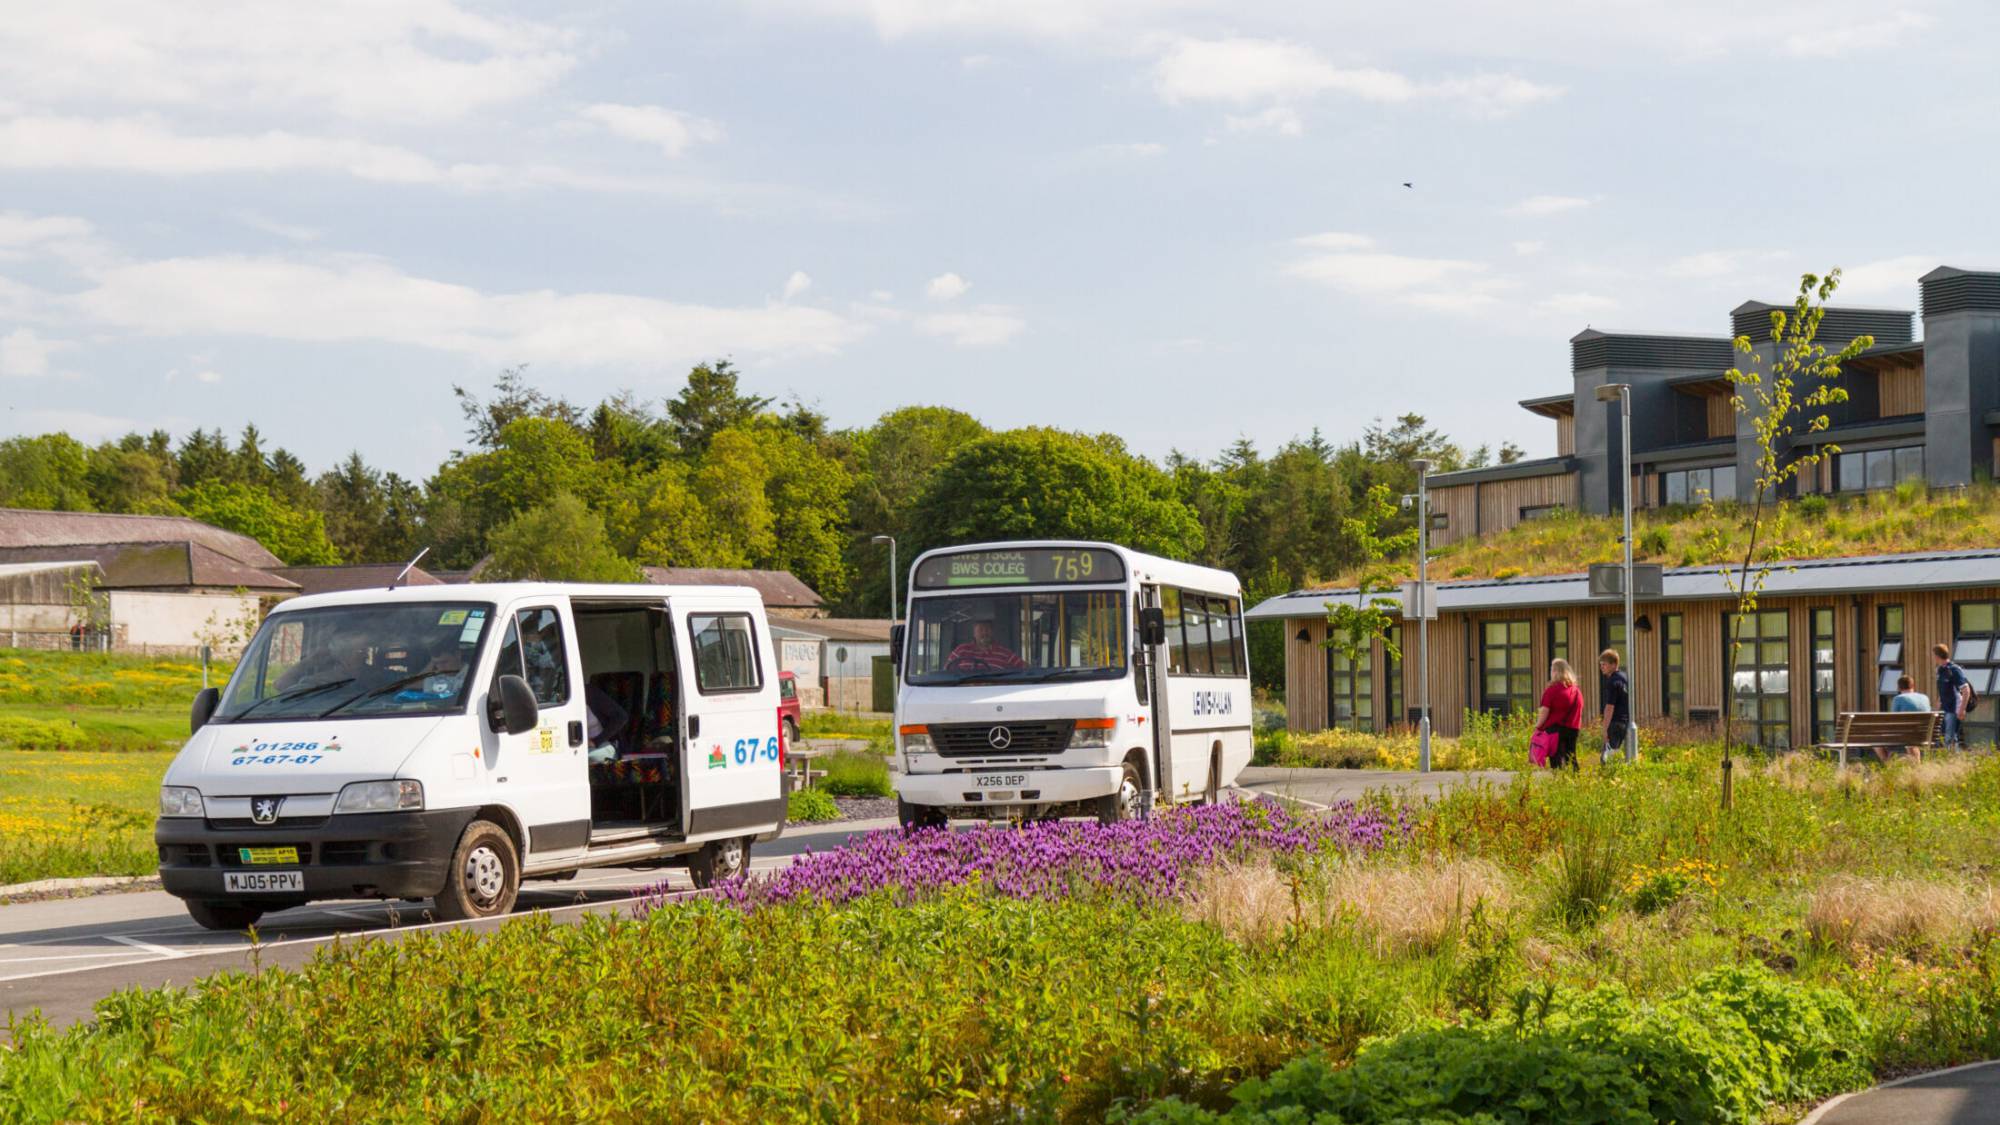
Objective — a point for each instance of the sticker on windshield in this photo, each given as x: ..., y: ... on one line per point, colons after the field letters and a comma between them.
x: 475, y: 620
x: 452, y: 617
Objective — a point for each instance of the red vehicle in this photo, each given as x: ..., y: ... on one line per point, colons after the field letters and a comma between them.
x: 788, y: 706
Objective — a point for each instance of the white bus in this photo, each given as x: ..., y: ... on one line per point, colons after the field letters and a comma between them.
x: 1051, y: 679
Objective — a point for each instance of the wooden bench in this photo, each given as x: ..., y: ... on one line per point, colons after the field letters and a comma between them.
x: 1883, y: 730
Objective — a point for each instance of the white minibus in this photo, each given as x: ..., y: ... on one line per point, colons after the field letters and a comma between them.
x: 447, y: 742
x: 1054, y: 678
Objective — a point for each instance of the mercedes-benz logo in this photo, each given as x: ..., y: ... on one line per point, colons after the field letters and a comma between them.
x: 999, y: 738
x: 264, y: 810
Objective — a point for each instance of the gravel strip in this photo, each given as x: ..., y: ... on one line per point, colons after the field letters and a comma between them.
x: 865, y: 808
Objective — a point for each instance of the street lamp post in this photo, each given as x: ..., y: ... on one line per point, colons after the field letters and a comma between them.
x: 1621, y: 393
x: 891, y: 541
x: 1423, y: 468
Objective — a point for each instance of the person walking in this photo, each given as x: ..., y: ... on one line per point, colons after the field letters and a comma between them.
x: 1562, y: 713
x: 1908, y: 698
x: 1954, y: 694
x: 1614, y: 691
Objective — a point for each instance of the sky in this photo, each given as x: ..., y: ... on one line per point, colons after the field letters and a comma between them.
x: 1182, y: 221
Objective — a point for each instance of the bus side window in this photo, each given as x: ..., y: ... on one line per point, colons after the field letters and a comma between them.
x: 1194, y: 618
x: 1170, y: 603
x: 1222, y: 650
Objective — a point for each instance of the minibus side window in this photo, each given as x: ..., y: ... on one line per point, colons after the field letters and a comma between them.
x: 544, y: 654
x: 725, y: 652
x: 509, y: 663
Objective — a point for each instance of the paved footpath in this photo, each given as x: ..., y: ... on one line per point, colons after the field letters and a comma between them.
x: 61, y: 956
x: 1966, y: 1095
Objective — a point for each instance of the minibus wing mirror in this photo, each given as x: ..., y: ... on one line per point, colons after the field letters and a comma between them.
x: 514, y: 711
x: 203, y: 709
x: 1152, y: 626
x: 896, y: 647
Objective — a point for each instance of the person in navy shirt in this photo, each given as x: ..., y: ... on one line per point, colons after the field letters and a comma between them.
x: 1614, y: 691
x: 1953, y: 693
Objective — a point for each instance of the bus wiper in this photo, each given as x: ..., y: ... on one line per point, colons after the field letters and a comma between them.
x: 1065, y: 673
x: 295, y: 693
x: 371, y: 693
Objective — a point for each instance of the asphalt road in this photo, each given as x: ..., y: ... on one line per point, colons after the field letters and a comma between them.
x: 61, y: 956
x: 1966, y: 1095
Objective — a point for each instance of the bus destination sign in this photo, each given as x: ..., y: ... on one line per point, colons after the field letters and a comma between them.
x: 1037, y: 566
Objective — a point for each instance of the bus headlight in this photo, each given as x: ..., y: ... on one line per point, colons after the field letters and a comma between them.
x: 179, y: 800
x: 380, y: 796
x: 916, y: 738
x: 1091, y: 734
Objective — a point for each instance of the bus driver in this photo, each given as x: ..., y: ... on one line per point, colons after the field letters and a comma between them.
x: 981, y: 654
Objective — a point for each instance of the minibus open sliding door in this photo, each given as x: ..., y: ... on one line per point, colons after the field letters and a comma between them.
x: 1160, y: 722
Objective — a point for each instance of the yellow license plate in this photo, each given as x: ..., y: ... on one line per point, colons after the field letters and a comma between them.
x: 268, y: 855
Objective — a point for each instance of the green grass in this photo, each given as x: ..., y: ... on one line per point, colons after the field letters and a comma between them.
x: 96, y: 701
x: 856, y: 773
x: 1905, y: 519
x: 67, y: 813
x: 841, y: 724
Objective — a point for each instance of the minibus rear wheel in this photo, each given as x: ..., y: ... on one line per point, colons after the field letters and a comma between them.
x: 484, y: 877
x: 223, y: 915
x: 719, y: 861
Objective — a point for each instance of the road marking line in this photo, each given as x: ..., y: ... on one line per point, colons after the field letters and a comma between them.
x: 156, y: 950
x: 70, y: 957
x: 377, y: 919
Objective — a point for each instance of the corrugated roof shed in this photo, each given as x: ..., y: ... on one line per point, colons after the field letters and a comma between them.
x: 1923, y: 570
x: 781, y: 589
x: 157, y: 566
x: 27, y: 527
x: 358, y: 576
x: 854, y: 630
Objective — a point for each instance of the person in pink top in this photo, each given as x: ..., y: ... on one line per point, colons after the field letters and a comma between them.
x: 982, y: 654
x: 1562, y: 712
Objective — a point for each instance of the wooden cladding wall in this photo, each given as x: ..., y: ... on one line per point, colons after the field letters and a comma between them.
x: 1900, y: 390
x: 1565, y: 435
x: 1501, y: 501
x: 1721, y: 417
x: 1455, y: 656
x: 1458, y: 505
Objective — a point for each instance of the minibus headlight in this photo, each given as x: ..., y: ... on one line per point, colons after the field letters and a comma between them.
x: 916, y: 738
x: 179, y: 800
x: 1091, y: 734
x: 380, y: 796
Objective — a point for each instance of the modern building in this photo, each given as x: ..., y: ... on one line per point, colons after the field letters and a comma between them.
x: 1917, y: 410
x: 1828, y: 636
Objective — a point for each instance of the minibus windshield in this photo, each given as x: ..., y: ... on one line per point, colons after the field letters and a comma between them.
x: 362, y: 660
x: 1016, y: 637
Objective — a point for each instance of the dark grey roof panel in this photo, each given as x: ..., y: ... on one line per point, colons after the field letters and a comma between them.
x: 1591, y: 348
x: 1859, y: 574
x: 1540, y: 467
x: 1840, y: 324
x: 1948, y: 290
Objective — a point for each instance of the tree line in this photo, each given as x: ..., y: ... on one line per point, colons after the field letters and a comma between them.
x: 718, y: 476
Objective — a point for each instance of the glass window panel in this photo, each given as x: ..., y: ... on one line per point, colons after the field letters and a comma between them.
x: 546, y: 657
x: 1725, y: 484
x: 1697, y: 485
x: 1777, y: 681
x: 1892, y: 620
x: 1221, y: 652
x: 1677, y: 488
x: 725, y: 652
x: 1496, y: 632
x: 1170, y: 606
x: 1822, y: 683
x: 1775, y: 653
x: 1970, y: 648
x: 1881, y: 469
x: 1892, y: 652
x: 1673, y: 626
x: 1521, y: 686
x: 1517, y: 633
x: 1909, y: 463
x: 1852, y: 476
x: 1975, y: 617
x: 1774, y: 622
x: 1496, y: 684
x: 1676, y: 683
x: 1889, y: 676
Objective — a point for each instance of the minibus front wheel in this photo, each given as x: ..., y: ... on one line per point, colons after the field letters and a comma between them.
x: 223, y: 915
x: 484, y: 877
x: 719, y: 861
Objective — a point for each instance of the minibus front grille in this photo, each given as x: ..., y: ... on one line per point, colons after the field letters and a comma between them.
x: 244, y: 823
x: 232, y: 857
x: 1012, y: 739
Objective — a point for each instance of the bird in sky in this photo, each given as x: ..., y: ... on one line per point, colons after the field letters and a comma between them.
x: 1408, y: 184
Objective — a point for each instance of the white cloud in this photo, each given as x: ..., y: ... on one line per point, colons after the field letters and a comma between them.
x: 1537, y: 206
x: 85, y: 425
x: 1280, y: 119
x: 290, y: 231
x: 1528, y: 248
x: 983, y: 327
x: 147, y: 144
x: 1576, y: 304
x: 672, y: 130
x: 397, y: 61
x: 208, y: 376
x: 1349, y: 264
x: 1336, y: 240
x: 1246, y: 70
x: 348, y: 299
x: 946, y: 287
x: 1821, y: 40
x: 1132, y: 148
x: 19, y: 230
x: 24, y: 354
x: 796, y: 284
x: 1889, y: 280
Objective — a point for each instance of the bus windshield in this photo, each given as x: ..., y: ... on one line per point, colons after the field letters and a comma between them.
x: 362, y: 660
x: 1016, y: 637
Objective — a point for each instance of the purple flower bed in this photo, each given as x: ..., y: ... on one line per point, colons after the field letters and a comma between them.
x: 1139, y: 860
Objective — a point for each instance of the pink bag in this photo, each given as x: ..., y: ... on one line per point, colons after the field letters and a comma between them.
x: 1541, y: 746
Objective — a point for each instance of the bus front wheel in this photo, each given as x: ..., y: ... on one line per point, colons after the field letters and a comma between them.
x: 913, y: 817
x: 1124, y: 804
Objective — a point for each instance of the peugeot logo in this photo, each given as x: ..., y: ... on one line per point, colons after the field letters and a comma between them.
x: 999, y: 738
x: 264, y: 810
